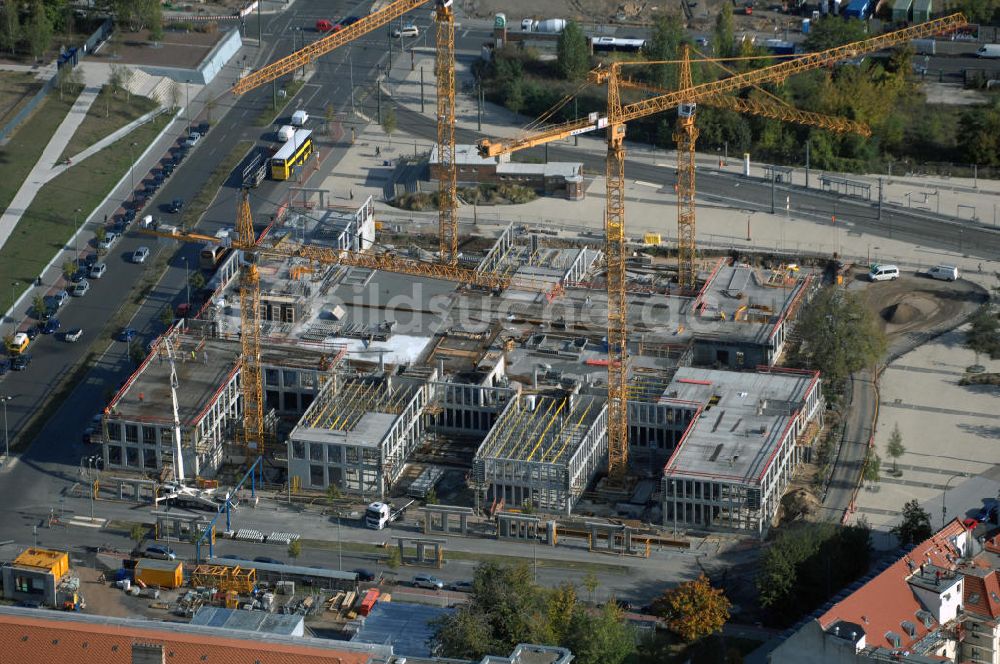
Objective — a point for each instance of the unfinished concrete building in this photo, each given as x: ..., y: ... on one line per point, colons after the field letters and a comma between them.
x: 358, y: 434
x: 543, y: 450
x: 749, y: 432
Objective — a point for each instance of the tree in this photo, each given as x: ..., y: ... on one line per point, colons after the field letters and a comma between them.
x: 197, y: 280
x: 136, y: 353
x: 664, y: 44
x: 983, y: 335
x: 839, y: 335
x: 11, y: 31
x: 515, y: 96
x: 39, y: 306
x: 724, y: 33
x: 209, y: 107
x: 68, y: 77
x: 573, y: 53
x: 562, y: 605
x: 329, y: 117
x: 833, y: 31
x: 870, y: 472
x: 38, y: 31
x: 389, y: 121
x: 69, y: 268
x: 915, y: 526
x: 167, y: 316
x: 294, y: 549
x: 175, y: 95
x: 693, y: 609
x: 100, y: 233
x: 894, y: 448
x: 604, y: 638
x: 432, y: 497
x: 333, y: 494
x: 394, y: 559
x: 591, y: 582
x: 155, y: 18
x: 137, y: 533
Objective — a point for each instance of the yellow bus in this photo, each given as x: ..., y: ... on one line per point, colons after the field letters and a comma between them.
x: 292, y: 154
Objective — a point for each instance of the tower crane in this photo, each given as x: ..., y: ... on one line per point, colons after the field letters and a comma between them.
x: 618, y: 114
x: 444, y: 69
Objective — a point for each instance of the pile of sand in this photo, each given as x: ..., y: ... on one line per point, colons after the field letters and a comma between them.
x: 901, y: 313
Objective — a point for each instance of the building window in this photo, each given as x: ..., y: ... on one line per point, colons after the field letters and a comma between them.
x: 291, y: 378
x: 131, y: 433
x: 370, y: 455
x: 352, y: 454
x: 114, y: 455
x: 316, y: 475
x: 149, y: 458
x: 316, y: 452
x: 298, y: 449
x: 271, y: 401
x: 271, y: 377
x: 334, y: 454
x: 132, y: 456
x: 114, y: 431
x: 291, y: 401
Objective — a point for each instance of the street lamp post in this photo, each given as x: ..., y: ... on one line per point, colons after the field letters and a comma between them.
x: 6, y: 432
x: 187, y: 99
x: 131, y: 154
x: 187, y: 280
x: 79, y: 231
x: 944, y: 497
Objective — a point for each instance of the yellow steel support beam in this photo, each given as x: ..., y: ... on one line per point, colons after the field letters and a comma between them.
x: 686, y: 134
x: 444, y: 68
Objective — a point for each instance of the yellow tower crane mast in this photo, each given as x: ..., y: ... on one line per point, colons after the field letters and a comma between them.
x: 445, y: 73
x: 618, y: 114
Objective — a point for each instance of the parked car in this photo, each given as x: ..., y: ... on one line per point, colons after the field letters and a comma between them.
x: 989, y: 513
x: 462, y: 586
x: 79, y: 275
x: 427, y: 581
x: 192, y: 139
x: 109, y: 241
x: 90, y: 260
x: 20, y: 362
x: 74, y: 335
x: 408, y: 30
x: 160, y: 552
x: 943, y: 272
x: 268, y: 561
x: 140, y: 255
x: 365, y: 574
x: 60, y: 298
x: 349, y: 20
x: 81, y: 288
x: 127, y: 334
x: 51, y: 326
x: 4, y: 365
x: 98, y: 270
x: 176, y: 205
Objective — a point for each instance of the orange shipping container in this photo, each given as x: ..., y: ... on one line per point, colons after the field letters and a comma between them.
x: 368, y: 602
x: 160, y: 573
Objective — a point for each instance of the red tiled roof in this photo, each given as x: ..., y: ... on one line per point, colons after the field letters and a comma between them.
x: 57, y: 641
x: 882, y: 604
x: 986, y: 591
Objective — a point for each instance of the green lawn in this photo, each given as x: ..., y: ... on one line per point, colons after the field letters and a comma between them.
x: 16, y: 90
x: 109, y: 113
x: 18, y: 157
x: 270, y: 114
x: 48, y: 223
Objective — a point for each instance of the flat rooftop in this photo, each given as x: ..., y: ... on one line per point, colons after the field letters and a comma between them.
x: 203, y: 367
x: 542, y: 428
x: 743, y: 420
x: 249, y: 621
x: 360, y: 410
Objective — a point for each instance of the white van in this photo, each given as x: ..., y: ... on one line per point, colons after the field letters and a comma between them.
x: 943, y: 272
x: 989, y: 51
x: 883, y: 272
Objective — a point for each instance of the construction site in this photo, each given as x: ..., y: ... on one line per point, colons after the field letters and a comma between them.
x: 544, y: 369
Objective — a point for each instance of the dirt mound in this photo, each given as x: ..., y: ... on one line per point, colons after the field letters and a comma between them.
x: 901, y: 313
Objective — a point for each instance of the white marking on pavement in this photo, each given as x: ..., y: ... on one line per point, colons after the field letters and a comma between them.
x: 643, y: 183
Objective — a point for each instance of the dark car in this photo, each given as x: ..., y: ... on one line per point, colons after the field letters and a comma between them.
x: 32, y: 332
x: 176, y: 205
x: 365, y: 574
x: 989, y: 513
x: 269, y: 561
x: 350, y: 20
x: 79, y: 275
x: 462, y: 586
x: 90, y: 260
x: 20, y: 362
x: 51, y: 326
x: 4, y: 365
x: 168, y: 167
x: 127, y: 334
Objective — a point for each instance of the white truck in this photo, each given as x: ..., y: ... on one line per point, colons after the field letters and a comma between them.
x: 989, y: 51
x: 286, y: 133
x: 379, y: 514
x: 299, y: 118
x: 552, y: 26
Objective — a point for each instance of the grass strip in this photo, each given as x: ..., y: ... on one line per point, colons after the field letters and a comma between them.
x: 271, y: 113
x: 16, y: 90
x: 199, y: 204
x: 107, y: 114
x: 52, y: 218
x: 361, y: 547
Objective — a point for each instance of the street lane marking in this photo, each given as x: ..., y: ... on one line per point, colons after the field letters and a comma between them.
x: 643, y: 183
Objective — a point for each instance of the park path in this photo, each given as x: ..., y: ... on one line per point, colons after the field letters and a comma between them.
x: 46, y: 167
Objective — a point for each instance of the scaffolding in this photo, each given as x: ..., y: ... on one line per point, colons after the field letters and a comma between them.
x: 543, y: 450
x: 342, y: 407
x: 224, y: 578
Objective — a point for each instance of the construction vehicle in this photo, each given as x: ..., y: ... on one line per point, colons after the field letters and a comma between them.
x: 685, y: 101
x: 379, y: 514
